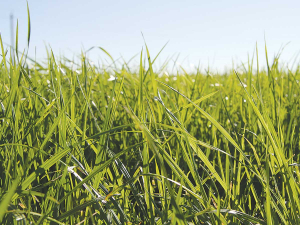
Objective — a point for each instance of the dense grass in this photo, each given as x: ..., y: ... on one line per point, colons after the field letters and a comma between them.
x: 80, y: 144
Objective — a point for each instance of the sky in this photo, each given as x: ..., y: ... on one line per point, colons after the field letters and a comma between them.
x: 215, y: 34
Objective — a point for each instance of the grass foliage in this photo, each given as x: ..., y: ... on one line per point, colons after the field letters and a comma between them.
x: 80, y: 144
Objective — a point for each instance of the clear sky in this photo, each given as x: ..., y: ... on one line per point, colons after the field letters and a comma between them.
x: 213, y: 33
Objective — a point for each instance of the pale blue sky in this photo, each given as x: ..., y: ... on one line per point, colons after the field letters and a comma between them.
x: 212, y: 32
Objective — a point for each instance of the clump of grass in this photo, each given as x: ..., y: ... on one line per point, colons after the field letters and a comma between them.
x: 110, y: 146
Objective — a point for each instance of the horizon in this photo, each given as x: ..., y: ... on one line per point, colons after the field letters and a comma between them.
x: 223, y: 42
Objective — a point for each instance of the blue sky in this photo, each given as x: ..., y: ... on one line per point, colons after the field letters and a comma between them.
x: 214, y: 33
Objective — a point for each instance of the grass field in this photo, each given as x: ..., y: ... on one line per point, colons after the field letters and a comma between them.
x: 80, y: 144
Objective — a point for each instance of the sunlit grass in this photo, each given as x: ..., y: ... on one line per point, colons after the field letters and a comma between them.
x: 84, y: 145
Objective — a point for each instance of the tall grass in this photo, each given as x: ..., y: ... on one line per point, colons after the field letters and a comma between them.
x: 87, y: 145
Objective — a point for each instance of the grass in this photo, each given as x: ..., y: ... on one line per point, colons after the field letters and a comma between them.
x: 80, y: 144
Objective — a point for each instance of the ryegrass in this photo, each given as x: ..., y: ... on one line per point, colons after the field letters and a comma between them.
x: 80, y: 144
